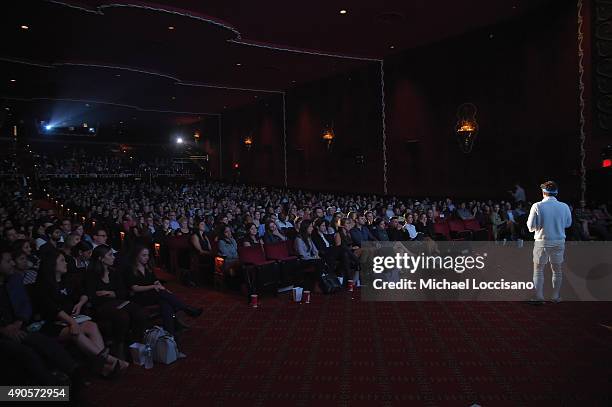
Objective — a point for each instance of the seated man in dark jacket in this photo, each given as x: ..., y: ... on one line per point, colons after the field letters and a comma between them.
x: 361, y: 233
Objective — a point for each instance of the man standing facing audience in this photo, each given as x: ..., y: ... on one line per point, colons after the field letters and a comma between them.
x: 548, y: 219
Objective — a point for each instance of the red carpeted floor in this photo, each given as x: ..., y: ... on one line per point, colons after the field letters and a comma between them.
x: 341, y: 351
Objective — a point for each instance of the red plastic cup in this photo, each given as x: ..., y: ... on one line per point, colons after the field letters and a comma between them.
x: 306, y: 297
x: 254, y: 300
x: 351, y: 285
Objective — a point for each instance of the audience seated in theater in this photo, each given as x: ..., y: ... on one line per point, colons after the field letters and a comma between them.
x: 81, y: 254
x: 99, y: 236
x: 59, y: 300
x: 79, y: 230
x: 379, y: 230
x: 183, y: 227
x: 28, y: 357
x: 148, y: 290
x: 200, y: 241
x: 497, y: 223
x: 331, y: 254
x: 307, y: 251
x: 283, y: 222
x: 228, y: 248
x: 70, y: 242
x: 360, y: 232
x: 424, y: 226
x: 66, y: 229
x: 396, y: 231
x: 107, y: 294
x: 53, y: 234
x: 272, y: 234
x: 252, y: 236
x: 591, y: 224
x: 463, y: 212
x: 33, y: 262
x: 40, y: 235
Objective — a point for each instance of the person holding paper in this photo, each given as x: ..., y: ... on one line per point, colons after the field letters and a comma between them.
x: 59, y: 301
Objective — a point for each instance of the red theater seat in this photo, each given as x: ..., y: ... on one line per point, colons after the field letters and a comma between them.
x: 442, y: 232
x: 478, y: 231
x: 457, y: 229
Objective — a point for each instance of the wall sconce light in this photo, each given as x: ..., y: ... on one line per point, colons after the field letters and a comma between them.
x: 466, y: 128
x: 248, y: 142
x: 196, y: 135
x: 328, y: 137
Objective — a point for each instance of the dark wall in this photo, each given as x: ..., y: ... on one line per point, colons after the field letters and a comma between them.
x: 523, y: 80
x: 522, y: 76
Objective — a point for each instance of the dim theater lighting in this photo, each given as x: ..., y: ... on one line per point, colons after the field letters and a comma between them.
x: 179, y: 140
x: 236, y: 166
x: 92, y: 130
x: 48, y: 127
x: 606, y: 163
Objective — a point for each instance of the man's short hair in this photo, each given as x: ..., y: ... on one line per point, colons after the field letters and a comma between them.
x: 549, y: 187
x: 49, y: 231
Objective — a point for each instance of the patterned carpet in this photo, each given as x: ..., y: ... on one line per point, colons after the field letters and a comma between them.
x: 339, y: 351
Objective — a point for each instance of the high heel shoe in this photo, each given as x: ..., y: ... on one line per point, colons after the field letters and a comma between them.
x: 113, y: 372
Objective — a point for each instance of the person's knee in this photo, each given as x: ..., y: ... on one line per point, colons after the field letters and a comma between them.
x: 556, y: 267
x: 538, y: 267
x: 89, y: 327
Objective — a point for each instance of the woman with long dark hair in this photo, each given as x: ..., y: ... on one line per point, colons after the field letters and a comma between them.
x: 108, y: 295
x: 148, y: 290
x: 59, y: 302
x: 252, y: 236
x: 307, y: 250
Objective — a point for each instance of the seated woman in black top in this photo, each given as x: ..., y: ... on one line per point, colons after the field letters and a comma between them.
x: 328, y: 251
x: 200, y: 241
x: 108, y: 294
x: 252, y: 236
x: 148, y: 290
x: 58, y: 301
x: 424, y: 225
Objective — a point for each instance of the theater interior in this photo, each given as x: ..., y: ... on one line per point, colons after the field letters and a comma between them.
x: 194, y: 196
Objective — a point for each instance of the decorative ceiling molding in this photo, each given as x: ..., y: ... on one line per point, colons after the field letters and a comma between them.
x: 99, y: 102
x: 211, y: 20
x: 177, y: 81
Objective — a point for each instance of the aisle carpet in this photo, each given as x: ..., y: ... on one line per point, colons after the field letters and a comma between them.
x: 339, y: 351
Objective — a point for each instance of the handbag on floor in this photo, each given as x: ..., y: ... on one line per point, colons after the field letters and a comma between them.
x: 329, y: 283
x: 165, y: 349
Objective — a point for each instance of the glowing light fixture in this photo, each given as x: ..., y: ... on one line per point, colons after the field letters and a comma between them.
x: 343, y: 11
x: 466, y: 128
x: 179, y: 140
x: 248, y: 142
x: 328, y: 137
